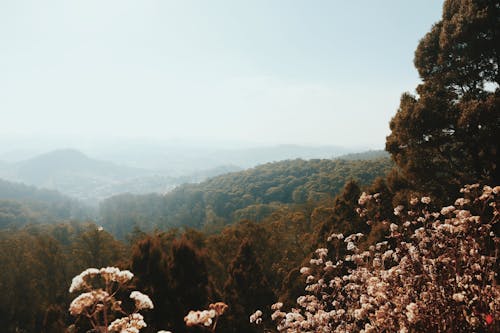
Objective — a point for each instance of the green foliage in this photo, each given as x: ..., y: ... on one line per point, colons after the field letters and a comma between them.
x: 448, y: 135
x: 38, y: 263
x: 251, y: 194
x: 21, y: 205
x: 246, y: 289
x: 149, y: 264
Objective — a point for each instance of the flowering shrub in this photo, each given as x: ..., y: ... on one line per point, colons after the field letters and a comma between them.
x: 206, y: 318
x: 436, y: 272
x: 99, y: 304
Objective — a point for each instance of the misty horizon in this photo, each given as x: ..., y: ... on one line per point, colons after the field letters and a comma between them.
x: 75, y: 74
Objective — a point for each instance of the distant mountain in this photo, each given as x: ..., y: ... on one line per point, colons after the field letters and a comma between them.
x: 74, y: 173
x: 70, y: 162
x: 251, y: 157
x: 180, y: 159
x: 70, y: 172
x: 77, y: 175
x: 367, y: 155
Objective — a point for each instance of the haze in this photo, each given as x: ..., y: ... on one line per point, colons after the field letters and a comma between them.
x: 259, y: 72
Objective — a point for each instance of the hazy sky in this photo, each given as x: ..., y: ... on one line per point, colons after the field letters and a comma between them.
x: 306, y: 72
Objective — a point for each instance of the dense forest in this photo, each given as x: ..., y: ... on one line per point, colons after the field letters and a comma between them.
x: 21, y: 205
x: 300, y: 246
x: 251, y: 194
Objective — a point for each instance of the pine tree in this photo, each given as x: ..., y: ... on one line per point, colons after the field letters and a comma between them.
x: 448, y: 134
x: 246, y: 289
x: 149, y: 264
x: 189, y: 284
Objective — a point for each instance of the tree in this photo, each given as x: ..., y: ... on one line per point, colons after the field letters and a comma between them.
x: 343, y: 217
x: 448, y: 134
x: 189, y: 282
x: 246, y: 289
x: 149, y: 263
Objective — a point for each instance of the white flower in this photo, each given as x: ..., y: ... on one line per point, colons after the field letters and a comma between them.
x: 461, y: 202
x: 398, y: 210
x: 129, y: 324
x: 426, y: 200
x: 203, y: 318
x: 86, y: 300
x: 142, y: 301
x: 364, y: 198
x: 79, y: 282
x: 447, y: 210
x: 305, y: 271
x: 322, y: 252
x: 256, y: 317
x: 277, y: 306
x: 412, y: 312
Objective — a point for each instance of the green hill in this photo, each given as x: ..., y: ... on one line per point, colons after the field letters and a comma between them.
x: 21, y: 204
x: 251, y: 194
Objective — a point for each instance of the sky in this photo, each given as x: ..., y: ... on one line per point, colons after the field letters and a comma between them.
x: 269, y: 72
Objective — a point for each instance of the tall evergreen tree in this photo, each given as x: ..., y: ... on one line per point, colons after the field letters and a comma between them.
x: 448, y: 134
x: 189, y: 282
x: 343, y: 217
x: 149, y: 264
x: 246, y: 289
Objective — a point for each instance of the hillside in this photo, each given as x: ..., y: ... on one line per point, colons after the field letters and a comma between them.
x: 21, y: 204
x: 251, y: 194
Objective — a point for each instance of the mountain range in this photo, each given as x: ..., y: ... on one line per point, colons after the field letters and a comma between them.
x: 91, y: 180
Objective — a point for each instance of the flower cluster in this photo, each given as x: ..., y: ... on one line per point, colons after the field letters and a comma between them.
x: 87, y: 300
x: 142, y: 301
x: 256, y: 317
x: 99, y: 305
x: 436, y: 272
x: 83, y: 281
x: 206, y: 318
x: 129, y: 324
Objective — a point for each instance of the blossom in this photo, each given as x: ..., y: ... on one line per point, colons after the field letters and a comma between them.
x: 461, y: 202
x: 398, y: 210
x: 447, y: 210
x: 412, y: 312
x: 129, y: 324
x: 277, y: 306
x: 116, y: 275
x: 141, y: 301
x: 86, y: 300
x: 425, y: 200
x: 219, y: 308
x: 393, y: 286
x: 79, y: 282
x: 256, y: 317
x: 98, y: 305
x: 203, y: 318
x: 364, y: 198
x: 305, y: 270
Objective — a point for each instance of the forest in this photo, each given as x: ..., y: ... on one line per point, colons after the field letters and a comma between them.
x: 406, y: 244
